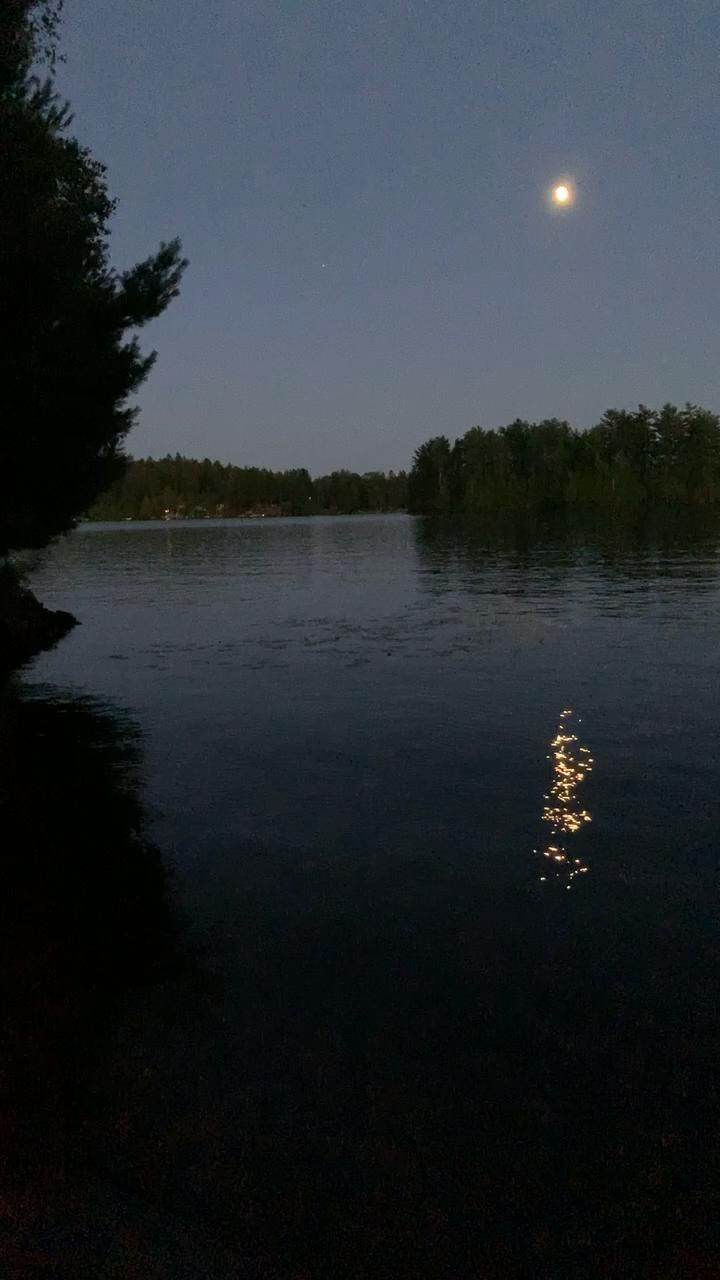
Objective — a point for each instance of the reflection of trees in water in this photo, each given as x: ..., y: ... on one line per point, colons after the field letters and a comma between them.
x: 86, y: 915
x: 615, y: 545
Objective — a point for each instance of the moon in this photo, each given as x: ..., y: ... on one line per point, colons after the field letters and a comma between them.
x: 562, y: 194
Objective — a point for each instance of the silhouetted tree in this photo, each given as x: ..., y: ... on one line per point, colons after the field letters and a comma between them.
x: 67, y: 366
x: 429, y: 484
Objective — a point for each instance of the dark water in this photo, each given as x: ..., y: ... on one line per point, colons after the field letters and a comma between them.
x: 425, y: 1048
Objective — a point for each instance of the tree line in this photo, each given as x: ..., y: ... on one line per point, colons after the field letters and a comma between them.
x: 666, y: 456
x: 177, y: 487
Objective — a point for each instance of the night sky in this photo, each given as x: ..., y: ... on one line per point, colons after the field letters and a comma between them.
x: 361, y: 187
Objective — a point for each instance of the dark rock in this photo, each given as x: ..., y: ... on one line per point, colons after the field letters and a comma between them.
x: 26, y: 626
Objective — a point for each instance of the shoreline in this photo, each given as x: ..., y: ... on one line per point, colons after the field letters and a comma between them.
x: 243, y: 515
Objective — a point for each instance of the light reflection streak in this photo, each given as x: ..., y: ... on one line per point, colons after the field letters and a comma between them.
x: 563, y: 812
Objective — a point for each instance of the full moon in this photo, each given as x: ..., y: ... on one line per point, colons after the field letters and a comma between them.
x: 561, y: 194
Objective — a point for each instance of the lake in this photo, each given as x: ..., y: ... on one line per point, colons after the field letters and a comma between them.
x: 441, y: 806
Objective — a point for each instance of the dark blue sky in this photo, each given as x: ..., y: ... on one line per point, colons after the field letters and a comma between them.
x: 408, y: 147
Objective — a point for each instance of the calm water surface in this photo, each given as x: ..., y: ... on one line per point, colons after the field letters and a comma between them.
x: 432, y: 1049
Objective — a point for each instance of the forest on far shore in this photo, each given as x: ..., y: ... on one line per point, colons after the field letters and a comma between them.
x: 177, y: 488
x: 643, y: 457
x: 666, y: 456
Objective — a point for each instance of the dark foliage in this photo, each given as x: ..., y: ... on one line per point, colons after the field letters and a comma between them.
x: 668, y: 456
x: 152, y: 489
x: 67, y: 366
